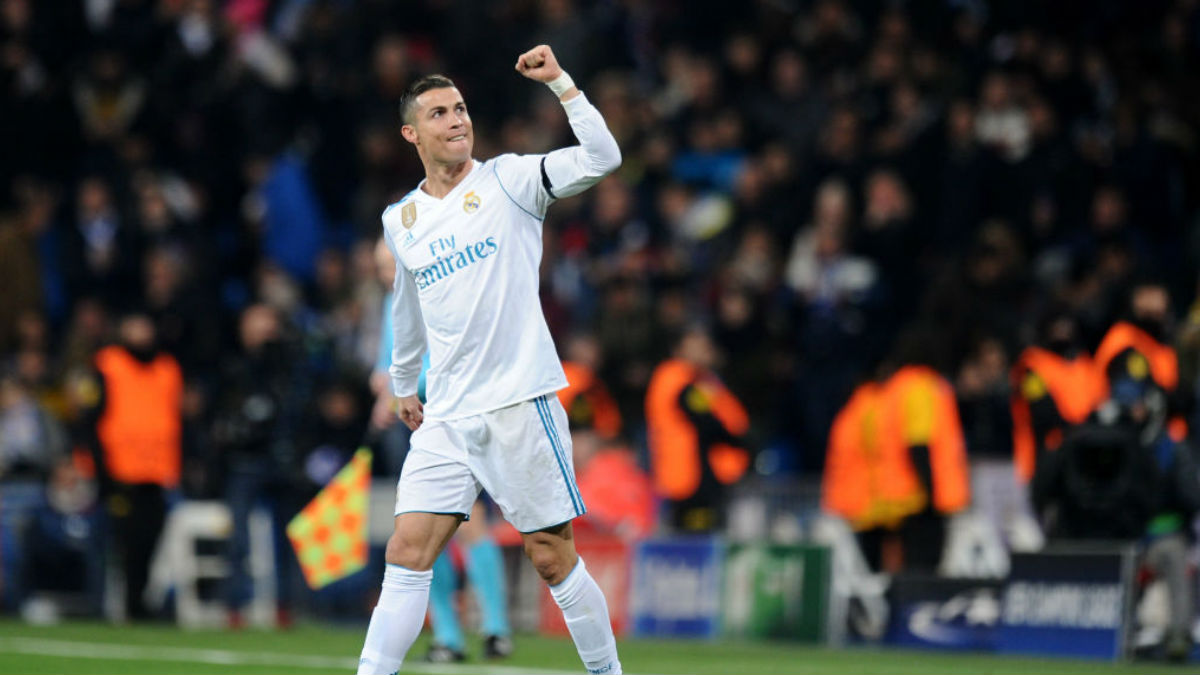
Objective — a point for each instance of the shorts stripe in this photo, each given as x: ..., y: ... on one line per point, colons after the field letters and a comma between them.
x: 571, y: 484
x: 559, y: 453
x: 545, y: 402
x: 548, y: 424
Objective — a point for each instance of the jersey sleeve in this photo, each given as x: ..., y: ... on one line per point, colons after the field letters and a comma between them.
x: 408, y: 329
x: 535, y: 181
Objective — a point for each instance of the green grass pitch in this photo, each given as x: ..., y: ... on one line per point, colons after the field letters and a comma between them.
x: 86, y: 648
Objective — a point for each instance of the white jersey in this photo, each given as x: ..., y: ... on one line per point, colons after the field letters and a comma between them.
x: 467, y: 275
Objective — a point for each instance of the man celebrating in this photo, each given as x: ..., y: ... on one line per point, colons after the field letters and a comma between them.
x: 467, y: 243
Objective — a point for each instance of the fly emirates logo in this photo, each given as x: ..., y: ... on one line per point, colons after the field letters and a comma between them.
x: 449, y: 259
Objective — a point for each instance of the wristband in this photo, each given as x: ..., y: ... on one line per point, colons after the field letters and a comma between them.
x: 561, y: 84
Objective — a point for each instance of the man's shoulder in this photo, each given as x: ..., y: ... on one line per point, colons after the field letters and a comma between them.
x: 511, y: 163
x: 411, y: 195
x: 397, y: 212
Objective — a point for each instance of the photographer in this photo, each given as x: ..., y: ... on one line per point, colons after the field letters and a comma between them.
x: 263, y: 393
x: 1120, y: 476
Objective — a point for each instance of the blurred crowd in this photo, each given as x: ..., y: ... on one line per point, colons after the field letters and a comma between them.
x: 815, y: 195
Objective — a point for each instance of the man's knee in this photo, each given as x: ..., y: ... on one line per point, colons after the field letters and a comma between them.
x: 408, y: 553
x: 551, y: 566
x: 552, y: 558
x: 412, y: 548
x: 418, y: 538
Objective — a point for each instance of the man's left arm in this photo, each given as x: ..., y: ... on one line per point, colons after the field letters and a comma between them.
x: 567, y: 171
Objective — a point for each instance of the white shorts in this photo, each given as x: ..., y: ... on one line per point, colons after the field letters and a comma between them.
x: 520, y: 454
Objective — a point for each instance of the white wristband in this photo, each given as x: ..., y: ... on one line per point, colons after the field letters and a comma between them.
x: 561, y: 84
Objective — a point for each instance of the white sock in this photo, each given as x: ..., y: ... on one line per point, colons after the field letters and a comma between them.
x: 586, y: 612
x: 396, y: 621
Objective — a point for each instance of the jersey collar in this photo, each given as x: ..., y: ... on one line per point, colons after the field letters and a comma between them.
x: 422, y: 194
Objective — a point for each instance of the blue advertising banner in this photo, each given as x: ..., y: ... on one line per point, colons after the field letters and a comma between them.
x: 677, y: 587
x: 1069, y: 601
x: 932, y: 612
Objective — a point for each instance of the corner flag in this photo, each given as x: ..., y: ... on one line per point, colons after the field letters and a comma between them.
x: 330, y: 534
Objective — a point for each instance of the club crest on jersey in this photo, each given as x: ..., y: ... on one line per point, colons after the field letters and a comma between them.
x: 408, y: 215
x: 471, y: 202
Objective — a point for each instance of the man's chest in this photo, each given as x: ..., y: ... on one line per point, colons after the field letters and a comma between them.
x: 456, y: 237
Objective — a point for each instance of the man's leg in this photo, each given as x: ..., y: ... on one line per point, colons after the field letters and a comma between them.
x: 552, y: 552
x: 416, y: 541
x: 1167, y: 556
x: 241, y: 490
x: 148, y: 515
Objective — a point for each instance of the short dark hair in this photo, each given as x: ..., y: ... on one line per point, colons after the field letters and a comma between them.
x: 408, y: 102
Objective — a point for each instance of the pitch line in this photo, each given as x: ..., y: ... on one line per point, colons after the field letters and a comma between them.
x: 225, y: 657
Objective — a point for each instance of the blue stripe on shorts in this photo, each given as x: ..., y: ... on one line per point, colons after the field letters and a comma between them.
x: 551, y: 431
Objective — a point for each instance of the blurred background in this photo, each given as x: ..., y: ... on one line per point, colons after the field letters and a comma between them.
x: 910, y: 282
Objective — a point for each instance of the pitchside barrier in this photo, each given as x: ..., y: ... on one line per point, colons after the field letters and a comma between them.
x: 1067, y: 600
x: 939, y: 613
x: 777, y: 592
x: 677, y: 587
x: 1074, y: 600
x: 701, y: 587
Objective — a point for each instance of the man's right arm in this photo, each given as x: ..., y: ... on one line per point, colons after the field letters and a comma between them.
x: 408, y: 344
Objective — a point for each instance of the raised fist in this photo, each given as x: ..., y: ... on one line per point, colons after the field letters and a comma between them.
x: 539, y: 64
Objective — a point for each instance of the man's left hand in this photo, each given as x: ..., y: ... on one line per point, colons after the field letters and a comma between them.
x: 539, y: 64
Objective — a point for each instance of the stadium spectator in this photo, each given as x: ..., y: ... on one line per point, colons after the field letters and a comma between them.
x: 139, y: 440
x: 619, y: 494
x: 897, y: 464
x: 696, y: 431
x: 1055, y: 385
x: 1169, y: 533
x: 22, y: 272
x: 1120, y: 476
x: 586, y: 399
x: 31, y: 443
x: 1140, y: 345
x: 257, y: 422
x: 833, y: 290
x: 61, y: 544
x: 985, y: 404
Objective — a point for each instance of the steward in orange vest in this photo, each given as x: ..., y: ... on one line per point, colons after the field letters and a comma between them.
x: 897, y: 463
x: 696, y: 427
x: 139, y: 434
x: 140, y: 428
x: 1139, y: 347
x: 587, y: 401
x: 1054, y: 387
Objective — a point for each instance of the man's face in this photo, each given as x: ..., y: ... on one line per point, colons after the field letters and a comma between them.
x: 698, y: 348
x: 1151, y: 303
x: 441, y: 128
x: 259, y: 325
x: 137, y: 332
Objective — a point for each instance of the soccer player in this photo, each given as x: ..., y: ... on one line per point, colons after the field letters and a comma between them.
x: 468, y: 242
x: 483, y: 561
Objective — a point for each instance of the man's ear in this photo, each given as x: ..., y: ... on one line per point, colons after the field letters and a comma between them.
x: 409, y: 132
